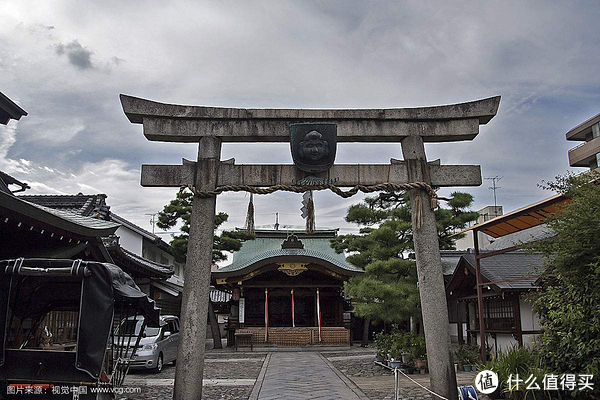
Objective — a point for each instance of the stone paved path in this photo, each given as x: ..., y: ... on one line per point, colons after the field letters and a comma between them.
x: 299, y: 376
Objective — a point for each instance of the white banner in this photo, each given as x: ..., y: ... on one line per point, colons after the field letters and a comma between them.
x: 242, y: 311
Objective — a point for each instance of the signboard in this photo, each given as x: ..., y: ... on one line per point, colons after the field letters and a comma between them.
x: 242, y: 311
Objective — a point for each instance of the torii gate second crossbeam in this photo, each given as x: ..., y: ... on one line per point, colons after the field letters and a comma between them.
x: 211, y: 126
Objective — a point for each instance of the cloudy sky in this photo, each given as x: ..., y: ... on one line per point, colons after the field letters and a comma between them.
x: 65, y: 63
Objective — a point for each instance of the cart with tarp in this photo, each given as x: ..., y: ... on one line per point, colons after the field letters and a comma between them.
x: 60, y: 333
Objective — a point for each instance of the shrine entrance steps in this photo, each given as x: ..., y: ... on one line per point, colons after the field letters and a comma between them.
x: 299, y: 336
x: 302, y: 376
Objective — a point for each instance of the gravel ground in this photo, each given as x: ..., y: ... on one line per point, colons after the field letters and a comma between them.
x: 360, y: 367
x: 212, y: 370
x: 380, y: 387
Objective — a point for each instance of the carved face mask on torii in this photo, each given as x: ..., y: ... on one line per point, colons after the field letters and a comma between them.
x: 313, y: 147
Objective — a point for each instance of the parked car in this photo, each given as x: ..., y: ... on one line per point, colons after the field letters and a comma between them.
x: 158, y: 345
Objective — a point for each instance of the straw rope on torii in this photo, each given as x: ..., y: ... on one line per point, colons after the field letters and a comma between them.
x: 210, y: 127
x: 387, y: 186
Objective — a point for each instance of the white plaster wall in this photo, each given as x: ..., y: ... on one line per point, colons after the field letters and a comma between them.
x: 503, y: 341
x: 529, y: 321
x: 453, y: 332
x: 130, y: 240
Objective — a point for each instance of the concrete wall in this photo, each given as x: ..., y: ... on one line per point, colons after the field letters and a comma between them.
x: 130, y: 240
x: 485, y: 214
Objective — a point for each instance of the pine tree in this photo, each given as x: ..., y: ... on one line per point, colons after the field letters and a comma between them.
x: 384, y: 249
x: 180, y: 210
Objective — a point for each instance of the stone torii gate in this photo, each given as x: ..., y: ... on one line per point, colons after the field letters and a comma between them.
x: 211, y: 126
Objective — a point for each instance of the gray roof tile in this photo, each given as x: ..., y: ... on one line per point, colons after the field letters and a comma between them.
x: 502, y: 267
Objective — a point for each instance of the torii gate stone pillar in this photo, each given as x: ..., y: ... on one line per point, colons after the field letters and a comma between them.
x: 208, y: 176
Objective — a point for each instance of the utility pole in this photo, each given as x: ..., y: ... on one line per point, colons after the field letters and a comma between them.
x: 494, y: 180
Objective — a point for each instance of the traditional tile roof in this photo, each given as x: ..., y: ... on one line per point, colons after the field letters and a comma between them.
x: 508, y: 266
x: 268, y: 245
x: 68, y: 221
x: 138, y: 229
x: 93, y: 205
x: 450, y: 259
x: 9, y: 110
x: 6, y: 179
x: 134, y: 263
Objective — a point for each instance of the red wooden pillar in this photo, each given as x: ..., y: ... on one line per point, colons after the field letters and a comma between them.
x: 319, y: 313
x: 293, y: 313
x: 266, y: 315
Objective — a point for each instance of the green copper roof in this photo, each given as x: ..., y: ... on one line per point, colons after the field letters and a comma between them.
x: 262, y: 248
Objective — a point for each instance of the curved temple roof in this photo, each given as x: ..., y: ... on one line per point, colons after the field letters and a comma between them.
x: 263, y: 250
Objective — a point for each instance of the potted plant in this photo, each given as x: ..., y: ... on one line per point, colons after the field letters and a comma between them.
x: 467, y: 356
x: 418, y: 351
x: 383, y: 343
x: 396, y: 349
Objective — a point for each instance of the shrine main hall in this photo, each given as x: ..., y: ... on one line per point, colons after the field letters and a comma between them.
x: 287, y: 290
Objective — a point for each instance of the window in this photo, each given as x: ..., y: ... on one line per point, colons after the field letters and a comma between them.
x: 498, y: 314
x: 171, y: 327
x: 596, y: 130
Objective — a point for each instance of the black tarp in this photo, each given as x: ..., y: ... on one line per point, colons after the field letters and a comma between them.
x: 95, y: 297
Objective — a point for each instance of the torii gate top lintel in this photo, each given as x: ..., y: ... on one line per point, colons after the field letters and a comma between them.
x: 165, y: 122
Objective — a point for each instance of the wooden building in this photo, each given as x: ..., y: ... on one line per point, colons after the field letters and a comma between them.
x: 287, y: 289
x: 509, y: 319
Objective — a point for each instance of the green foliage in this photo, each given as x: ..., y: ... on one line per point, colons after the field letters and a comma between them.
x: 179, y: 210
x: 467, y: 354
x: 383, y: 342
x: 387, y: 291
x: 522, y: 361
x: 398, y: 342
x: 569, y: 300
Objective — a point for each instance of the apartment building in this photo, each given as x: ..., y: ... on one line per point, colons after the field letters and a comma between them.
x: 587, y: 154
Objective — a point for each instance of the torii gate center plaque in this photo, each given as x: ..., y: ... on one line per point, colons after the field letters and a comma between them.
x: 313, y: 146
x: 313, y: 150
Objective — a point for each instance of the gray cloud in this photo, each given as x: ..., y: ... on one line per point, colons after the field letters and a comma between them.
x: 78, y: 55
x: 293, y: 54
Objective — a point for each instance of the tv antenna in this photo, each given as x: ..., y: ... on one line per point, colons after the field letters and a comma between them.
x: 494, y: 180
x: 152, y: 221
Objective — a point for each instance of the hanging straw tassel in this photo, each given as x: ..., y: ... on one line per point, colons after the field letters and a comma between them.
x: 418, y: 211
x: 310, y: 214
x: 250, y: 217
